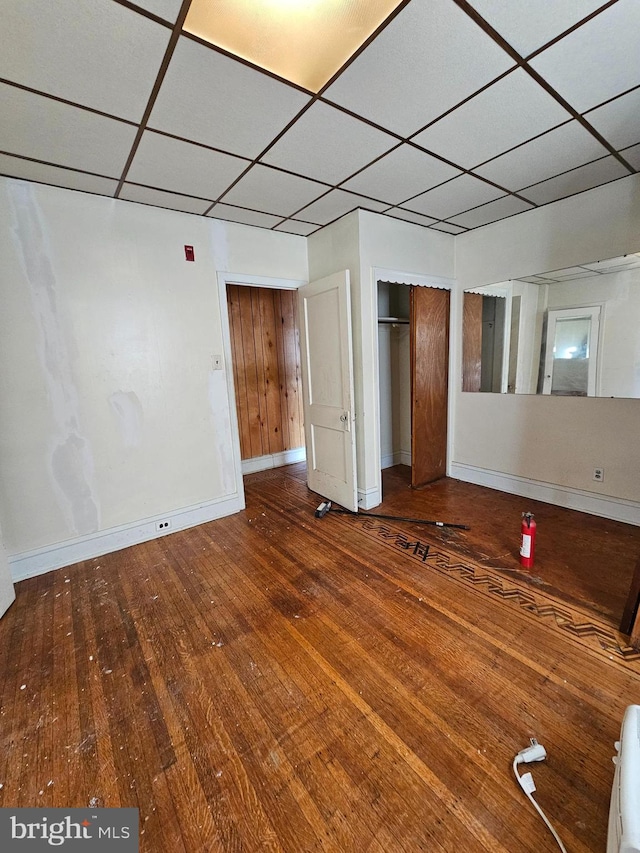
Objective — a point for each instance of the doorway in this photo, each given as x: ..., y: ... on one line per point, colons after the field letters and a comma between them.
x: 413, y: 361
x: 266, y: 371
x: 271, y: 460
x: 571, y: 353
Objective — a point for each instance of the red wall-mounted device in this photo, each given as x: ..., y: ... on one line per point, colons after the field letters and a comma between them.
x: 189, y: 254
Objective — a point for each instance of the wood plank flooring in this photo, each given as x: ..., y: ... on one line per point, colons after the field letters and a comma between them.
x: 276, y: 682
x: 581, y: 559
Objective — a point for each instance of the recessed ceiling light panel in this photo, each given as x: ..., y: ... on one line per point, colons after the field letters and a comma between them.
x: 303, y: 41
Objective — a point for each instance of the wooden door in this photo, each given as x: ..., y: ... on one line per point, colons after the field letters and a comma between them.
x: 471, y: 341
x: 327, y: 384
x: 266, y: 369
x: 429, y: 325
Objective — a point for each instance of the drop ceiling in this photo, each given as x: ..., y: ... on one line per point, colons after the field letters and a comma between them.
x: 451, y: 115
x: 624, y: 263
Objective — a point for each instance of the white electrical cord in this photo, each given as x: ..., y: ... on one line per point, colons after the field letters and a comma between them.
x: 535, y: 752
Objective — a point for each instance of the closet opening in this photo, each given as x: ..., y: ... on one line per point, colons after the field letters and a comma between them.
x: 413, y: 360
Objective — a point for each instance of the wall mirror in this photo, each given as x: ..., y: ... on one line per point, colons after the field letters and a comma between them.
x: 569, y: 332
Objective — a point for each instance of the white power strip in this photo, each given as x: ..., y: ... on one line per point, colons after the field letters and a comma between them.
x: 624, y: 812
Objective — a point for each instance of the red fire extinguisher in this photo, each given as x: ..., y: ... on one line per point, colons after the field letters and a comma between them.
x: 527, y: 547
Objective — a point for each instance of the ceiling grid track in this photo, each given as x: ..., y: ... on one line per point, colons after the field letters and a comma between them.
x: 450, y: 114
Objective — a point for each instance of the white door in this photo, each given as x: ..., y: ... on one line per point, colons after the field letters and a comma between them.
x: 7, y: 592
x: 327, y: 382
x: 571, y: 352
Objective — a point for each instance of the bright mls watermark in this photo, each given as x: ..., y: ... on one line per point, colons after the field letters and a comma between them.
x: 86, y: 830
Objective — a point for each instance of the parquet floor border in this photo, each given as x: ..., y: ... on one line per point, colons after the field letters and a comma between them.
x: 573, y: 623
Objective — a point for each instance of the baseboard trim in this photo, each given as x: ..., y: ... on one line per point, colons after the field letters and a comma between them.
x: 605, y: 506
x: 369, y: 498
x: 273, y: 460
x: 399, y: 457
x: 28, y: 564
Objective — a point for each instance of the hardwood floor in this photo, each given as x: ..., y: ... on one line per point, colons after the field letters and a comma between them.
x: 273, y: 681
x: 582, y: 559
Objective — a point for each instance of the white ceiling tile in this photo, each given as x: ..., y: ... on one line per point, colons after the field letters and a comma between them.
x: 454, y: 197
x: 402, y: 173
x: 336, y: 203
x: 429, y: 58
x: 100, y: 55
x: 603, y: 267
x: 171, y: 164
x: 632, y: 156
x: 619, y: 120
x: 507, y: 113
x: 49, y: 130
x: 448, y: 228
x: 616, y: 269
x: 292, y: 226
x: 28, y: 170
x: 530, y: 24
x: 244, y: 217
x: 577, y: 275
x: 565, y: 272
x: 315, y: 145
x: 501, y: 208
x: 575, y: 181
x: 410, y: 216
x: 210, y: 98
x: 557, y: 151
x: 167, y: 9
x: 273, y: 191
x: 597, y: 61
x: 158, y: 198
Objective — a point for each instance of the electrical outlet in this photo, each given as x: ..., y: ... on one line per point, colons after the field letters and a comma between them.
x: 164, y: 525
x: 598, y: 474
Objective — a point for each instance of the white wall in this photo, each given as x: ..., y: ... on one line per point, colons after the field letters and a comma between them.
x: 112, y: 414
x: 550, y: 439
x: 532, y: 306
x: 394, y: 369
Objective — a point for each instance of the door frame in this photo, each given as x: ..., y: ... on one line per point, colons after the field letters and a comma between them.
x: 373, y: 496
x: 225, y: 278
x: 595, y: 314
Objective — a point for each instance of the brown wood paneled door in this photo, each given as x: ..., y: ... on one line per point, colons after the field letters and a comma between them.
x: 471, y: 341
x: 429, y: 325
x: 265, y: 350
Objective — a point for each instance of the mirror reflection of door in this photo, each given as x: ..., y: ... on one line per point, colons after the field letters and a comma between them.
x: 488, y: 338
x: 493, y: 318
x: 514, y: 343
x: 571, y: 352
